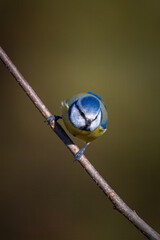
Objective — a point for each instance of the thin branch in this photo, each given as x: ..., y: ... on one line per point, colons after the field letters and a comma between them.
x: 118, y: 203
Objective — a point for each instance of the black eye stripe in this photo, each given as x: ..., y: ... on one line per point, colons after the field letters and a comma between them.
x: 97, y: 114
x: 81, y: 113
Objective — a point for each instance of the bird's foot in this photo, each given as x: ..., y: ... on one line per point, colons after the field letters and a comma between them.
x: 80, y: 152
x: 52, y: 118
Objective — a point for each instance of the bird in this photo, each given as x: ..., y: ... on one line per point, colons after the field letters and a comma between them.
x: 85, y: 116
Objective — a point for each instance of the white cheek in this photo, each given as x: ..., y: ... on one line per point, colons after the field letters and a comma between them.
x: 96, y: 122
x: 76, y: 118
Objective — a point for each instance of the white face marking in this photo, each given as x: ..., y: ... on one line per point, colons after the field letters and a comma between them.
x: 96, y: 122
x: 76, y: 118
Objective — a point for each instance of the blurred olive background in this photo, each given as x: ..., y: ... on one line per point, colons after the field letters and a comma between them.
x: 62, y: 48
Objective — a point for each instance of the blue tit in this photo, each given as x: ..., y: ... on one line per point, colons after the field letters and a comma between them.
x: 85, y: 116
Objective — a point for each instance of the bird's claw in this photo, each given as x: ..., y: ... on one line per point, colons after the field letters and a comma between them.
x: 52, y: 118
x: 80, y: 152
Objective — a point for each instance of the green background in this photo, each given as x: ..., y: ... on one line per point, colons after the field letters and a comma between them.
x: 62, y: 48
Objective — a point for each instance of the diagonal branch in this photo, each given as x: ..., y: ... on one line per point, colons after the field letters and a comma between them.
x: 118, y: 203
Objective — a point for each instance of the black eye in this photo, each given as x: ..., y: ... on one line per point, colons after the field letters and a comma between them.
x: 82, y: 114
